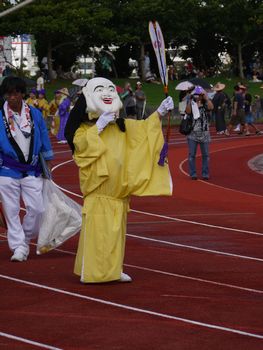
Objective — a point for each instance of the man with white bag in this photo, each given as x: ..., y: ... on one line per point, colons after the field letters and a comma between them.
x: 23, y: 137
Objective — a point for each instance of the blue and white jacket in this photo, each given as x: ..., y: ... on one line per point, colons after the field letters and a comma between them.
x: 39, y: 143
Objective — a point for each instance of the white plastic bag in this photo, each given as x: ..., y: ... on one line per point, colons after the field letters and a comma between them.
x: 61, y: 219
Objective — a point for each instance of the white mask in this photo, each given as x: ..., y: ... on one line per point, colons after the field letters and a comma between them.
x: 101, y: 96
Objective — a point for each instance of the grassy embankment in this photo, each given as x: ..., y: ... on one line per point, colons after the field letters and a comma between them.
x: 154, y: 92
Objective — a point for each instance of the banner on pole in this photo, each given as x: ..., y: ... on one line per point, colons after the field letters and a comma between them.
x: 159, y: 49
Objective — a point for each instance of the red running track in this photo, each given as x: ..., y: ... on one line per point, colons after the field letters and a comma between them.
x: 196, y: 260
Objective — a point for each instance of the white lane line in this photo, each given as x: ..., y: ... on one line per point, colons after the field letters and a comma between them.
x: 196, y: 248
x: 187, y: 215
x: 184, y: 221
x: 213, y: 214
x: 165, y: 216
x: 135, y: 309
x: 27, y: 341
x: 218, y: 186
x: 175, y: 274
x: 197, y: 223
x: 196, y: 279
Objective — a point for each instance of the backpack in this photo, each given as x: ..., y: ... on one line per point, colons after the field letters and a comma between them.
x: 186, y: 125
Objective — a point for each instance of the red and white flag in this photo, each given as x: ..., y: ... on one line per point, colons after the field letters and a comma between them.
x: 159, y: 48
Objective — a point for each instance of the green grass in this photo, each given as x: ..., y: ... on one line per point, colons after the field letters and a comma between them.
x: 155, y: 94
x: 56, y: 85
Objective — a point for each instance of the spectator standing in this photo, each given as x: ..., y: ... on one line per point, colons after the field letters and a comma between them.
x: 238, y: 110
x: 23, y: 137
x: 249, y: 118
x: 198, y: 107
x: 256, y: 107
x: 219, y: 103
x: 140, y: 100
x: 129, y: 102
x: 44, y: 65
x: 147, y: 63
x: 40, y: 81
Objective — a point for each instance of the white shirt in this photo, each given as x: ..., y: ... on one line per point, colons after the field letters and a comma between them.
x: 40, y: 83
x: 21, y: 140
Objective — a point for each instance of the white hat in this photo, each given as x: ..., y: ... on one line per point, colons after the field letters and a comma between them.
x: 219, y: 87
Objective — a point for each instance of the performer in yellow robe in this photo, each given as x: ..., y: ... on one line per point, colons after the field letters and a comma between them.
x: 53, y: 111
x: 32, y: 99
x: 113, y: 165
x: 43, y: 104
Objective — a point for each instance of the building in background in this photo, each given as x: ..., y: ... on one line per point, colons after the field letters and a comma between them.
x: 5, y: 52
x: 18, y: 53
x: 23, y: 54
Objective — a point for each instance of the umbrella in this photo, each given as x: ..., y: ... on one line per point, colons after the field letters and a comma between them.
x: 80, y: 82
x: 184, y: 86
x: 201, y: 82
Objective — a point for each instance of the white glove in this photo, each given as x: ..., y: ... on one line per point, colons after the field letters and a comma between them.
x: 165, y: 106
x: 104, y: 120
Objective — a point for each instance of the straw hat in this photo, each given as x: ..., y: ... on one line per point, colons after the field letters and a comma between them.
x: 63, y: 91
x: 242, y: 87
x: 219, y: 86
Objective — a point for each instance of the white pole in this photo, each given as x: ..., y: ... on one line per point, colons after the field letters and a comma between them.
x: 14, y: 8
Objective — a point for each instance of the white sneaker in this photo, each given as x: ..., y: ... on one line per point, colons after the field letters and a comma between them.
x: 125, y: 278
x: 18, y: 256
x: 237, y: 128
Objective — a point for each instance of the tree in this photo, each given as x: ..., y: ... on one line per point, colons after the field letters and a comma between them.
x: 205, y: 42
x: 242, y: 26
x: 82, y: 22
x: 131, y: 17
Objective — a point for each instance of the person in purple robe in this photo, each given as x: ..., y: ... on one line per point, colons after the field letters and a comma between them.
x: 63, y: 111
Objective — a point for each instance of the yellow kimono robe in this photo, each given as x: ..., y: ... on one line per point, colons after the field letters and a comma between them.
x: 53, y: 108
x: 43, y: 105
x: 112, y: 166
x: 32, y: 102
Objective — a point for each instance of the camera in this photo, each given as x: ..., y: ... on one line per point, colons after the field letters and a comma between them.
x: 195, y: 97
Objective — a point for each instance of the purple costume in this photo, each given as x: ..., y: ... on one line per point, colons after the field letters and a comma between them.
x: 63, y: 111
